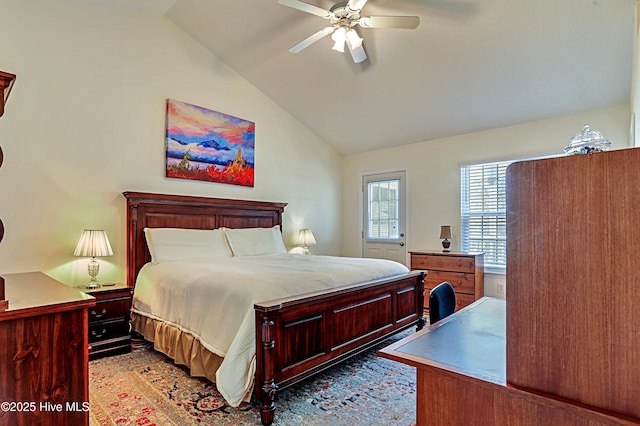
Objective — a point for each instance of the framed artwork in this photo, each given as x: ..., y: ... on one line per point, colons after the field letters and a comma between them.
x: 207, y: 145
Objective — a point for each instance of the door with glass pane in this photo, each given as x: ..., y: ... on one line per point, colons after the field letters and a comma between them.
x: 384, y: 216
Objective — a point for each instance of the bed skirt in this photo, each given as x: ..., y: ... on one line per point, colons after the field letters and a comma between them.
x: 183, y: 348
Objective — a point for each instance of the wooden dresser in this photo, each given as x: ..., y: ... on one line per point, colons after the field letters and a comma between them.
x: 464, y: 372
x: 44, y: 355
x: 464, y: 271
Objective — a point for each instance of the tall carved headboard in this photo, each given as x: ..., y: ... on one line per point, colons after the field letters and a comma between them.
x: 146, y: 210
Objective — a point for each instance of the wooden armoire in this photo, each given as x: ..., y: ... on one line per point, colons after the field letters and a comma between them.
x: 573, y: 280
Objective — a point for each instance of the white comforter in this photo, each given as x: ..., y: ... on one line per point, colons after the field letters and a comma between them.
x: 214, y: 301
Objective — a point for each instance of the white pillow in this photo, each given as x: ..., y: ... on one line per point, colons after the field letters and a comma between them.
x: 255, y: 241
x: 171, y: 244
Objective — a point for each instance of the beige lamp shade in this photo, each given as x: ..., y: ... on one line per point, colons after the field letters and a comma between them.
x: 445, y: 232
x: 93, y: 243
x: 306, y: 238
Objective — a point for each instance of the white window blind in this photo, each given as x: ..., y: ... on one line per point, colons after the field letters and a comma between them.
x: 483, y: 208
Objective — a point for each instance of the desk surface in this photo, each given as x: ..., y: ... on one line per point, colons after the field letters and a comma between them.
x: 34, y: 293
x: 472, y: 342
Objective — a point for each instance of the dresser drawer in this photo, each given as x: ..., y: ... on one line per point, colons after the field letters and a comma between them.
x: 107, y: 330
x: 108, y: 310
x: 445, y: 263
x: 463, y: 300
x: 461, y: 282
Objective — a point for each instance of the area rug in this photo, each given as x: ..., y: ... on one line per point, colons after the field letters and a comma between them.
x: 145, y: 388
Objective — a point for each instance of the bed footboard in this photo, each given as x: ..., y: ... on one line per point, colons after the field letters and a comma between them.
x: 299, y: 337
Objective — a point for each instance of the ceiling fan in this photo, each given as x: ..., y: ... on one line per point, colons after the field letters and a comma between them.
x: 344, y: 17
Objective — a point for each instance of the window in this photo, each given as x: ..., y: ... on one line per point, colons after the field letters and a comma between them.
x: 383, y: 209
x: 483, y: 208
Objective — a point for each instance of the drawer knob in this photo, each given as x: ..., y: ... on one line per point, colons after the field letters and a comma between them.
x: 96, y: 335
x: 98, y: 315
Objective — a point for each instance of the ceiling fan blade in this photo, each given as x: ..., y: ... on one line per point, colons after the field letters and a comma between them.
x: 407, y: 22
x: 306, y: 7
x: 357, y: 53
x: 356, y: 4
x: 311, y: 39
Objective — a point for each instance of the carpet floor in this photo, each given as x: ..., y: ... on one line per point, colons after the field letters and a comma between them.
x: 145, y: 387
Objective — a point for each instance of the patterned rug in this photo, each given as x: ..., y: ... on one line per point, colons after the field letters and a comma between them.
x: 145, y: 388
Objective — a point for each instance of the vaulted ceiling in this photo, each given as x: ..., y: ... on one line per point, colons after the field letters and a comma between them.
x: 471, y: 65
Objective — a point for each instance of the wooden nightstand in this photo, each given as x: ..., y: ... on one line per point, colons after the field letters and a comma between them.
x: 109, y: 328
x: 464, y: 271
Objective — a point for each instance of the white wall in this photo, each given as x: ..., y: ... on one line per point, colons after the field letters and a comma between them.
x: 85, y: 122
x: 433, y: 173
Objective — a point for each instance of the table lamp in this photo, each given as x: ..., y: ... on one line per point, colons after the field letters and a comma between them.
x: 93, y: 243
x: 445, y: 234
x: 306, y: 239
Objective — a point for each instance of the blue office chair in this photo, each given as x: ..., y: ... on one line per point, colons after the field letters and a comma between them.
x: 442, y: 302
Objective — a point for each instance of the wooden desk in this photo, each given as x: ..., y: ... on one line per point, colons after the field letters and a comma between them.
x: 470, y: 342
x: 461, y: 375
x: 44, y: 360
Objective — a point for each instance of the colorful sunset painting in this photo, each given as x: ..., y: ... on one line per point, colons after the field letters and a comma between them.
x: 207, y: 145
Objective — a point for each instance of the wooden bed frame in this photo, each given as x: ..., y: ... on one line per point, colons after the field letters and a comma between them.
x: 295, y: 337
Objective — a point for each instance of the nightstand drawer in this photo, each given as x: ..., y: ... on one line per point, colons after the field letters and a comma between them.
x: 108, y: 310
x: 462, y: 283
x: 445, y: 263
x: 107, y: 330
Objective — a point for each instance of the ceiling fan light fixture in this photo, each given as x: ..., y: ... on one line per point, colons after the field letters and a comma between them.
x: 353, y: 39
x: 339, y: 36
x: 343, y: 17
